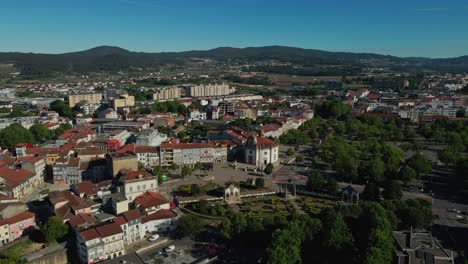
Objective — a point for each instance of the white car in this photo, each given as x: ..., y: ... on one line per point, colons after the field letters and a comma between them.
x: 153, y: 238
x: 170, y: 248
x: 459, y: 216
x: 456, y: 211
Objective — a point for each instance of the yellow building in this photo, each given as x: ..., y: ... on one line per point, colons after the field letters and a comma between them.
x: 93, y: 98
x: 4, y: 233
x: 124, y: 101
x: 167, y: 93
x: 118, y: 161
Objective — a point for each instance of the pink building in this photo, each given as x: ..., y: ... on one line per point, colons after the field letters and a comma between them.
x: 20, y: 224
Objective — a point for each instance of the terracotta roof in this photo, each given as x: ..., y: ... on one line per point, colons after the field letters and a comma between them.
x: 89, y: 234
x: 15, y: 177
x: 80, y: 219
x: 131, y: 215
x: 150, y: 199
x: 158, y: 215
x: 119, y: 220
x: 170, y: 145
x: 91, y: 151
x: 264, y: 141
x: 20, y: 217
x: 109, y: 229
x: 133, y: 175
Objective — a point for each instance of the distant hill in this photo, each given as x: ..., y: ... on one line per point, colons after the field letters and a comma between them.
x: 108, y: 58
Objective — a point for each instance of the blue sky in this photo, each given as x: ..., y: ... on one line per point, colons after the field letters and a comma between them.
x: 404, y: 28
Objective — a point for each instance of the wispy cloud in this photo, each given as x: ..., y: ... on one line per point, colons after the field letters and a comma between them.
x: 432, y: 9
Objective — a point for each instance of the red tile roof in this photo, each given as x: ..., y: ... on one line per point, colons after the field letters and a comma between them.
x: 264, y: 141
x: 109, y: 229
x: 119, y: 220
x: 89, y: 234
x: 131, y: 215
x: 159, y: 215
x: 150, y: 199
x: 20, y: 217
x: 15, y: 177
x: 133, y: 175
x: 81, y: 219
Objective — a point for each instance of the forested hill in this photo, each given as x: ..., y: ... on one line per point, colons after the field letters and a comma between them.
x: 108, y: 58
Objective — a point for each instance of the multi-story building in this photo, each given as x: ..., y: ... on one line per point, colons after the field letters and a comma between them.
x: 148, y: 156
x: 124, y: 100
x: 150, y: 137
x: 93, y: 98
x: 196, y: 115
x: 122, y: 160
x: 133, y: 230
x: 100, y: 243
x: 66, y: 170
x: 17, y: 225
x: 19, y: 182
x: 166, y: 93
x: 260, y: 151
x: 209, y: 90
x: 7, y: 93
x: 188, y: 153
x: 135, y: 183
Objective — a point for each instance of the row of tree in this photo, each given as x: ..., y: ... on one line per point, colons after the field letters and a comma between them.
x: 16, y: 133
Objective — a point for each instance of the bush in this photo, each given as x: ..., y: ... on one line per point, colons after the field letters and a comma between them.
x: 269, y: 168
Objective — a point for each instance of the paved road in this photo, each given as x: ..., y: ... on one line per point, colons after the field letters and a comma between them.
x: 184, y: 246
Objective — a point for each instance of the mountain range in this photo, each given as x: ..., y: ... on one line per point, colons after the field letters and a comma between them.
x: 109, y: 58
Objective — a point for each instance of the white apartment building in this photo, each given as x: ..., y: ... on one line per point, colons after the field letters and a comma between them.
x: 166, y: 93
x: 209, y: 90
x: 150, y: 137
x: 100, y: 243
x: 196, y: 115
x: 135, y: 183
x: 191, y: 153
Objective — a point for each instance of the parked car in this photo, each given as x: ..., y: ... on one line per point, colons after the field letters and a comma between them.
x: 456, y: 211
x: 170, y: 248
x: 153, y: 238
x: 459, y: 216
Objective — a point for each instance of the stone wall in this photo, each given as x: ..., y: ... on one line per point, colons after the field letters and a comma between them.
x: 58, y: 257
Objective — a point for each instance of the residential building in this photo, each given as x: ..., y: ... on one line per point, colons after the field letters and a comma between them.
x: 93, y: 98
x: 135, y: 183
x: 66, y: 170
x: 160, y: 221
x: 166, y: 93
x: 188, y: 153
x: 124, y: 100
x: 209, y: 90
x: 148, y: 156
x: 122, y: 160
x: 100, y: 243
x: 150, y: 137
x: 196, y: 115
x: 18, y: 182
x: 18, y: 225
x: 151, y: 202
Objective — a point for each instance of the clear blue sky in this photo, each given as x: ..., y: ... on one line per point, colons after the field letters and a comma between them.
x: 398, y: 27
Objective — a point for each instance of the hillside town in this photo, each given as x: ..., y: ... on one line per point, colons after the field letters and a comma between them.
x: 120, y: 173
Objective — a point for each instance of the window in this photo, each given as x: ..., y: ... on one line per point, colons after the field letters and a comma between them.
x: 144, y: 186
x: 131, y: 189
x: 138, y: 187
